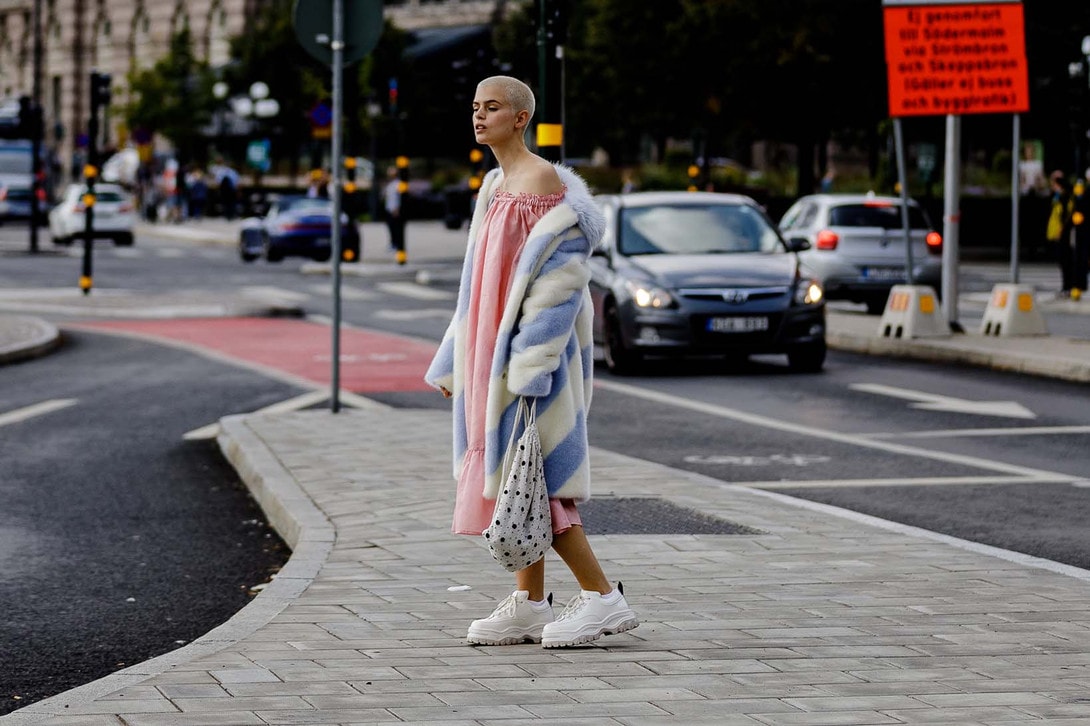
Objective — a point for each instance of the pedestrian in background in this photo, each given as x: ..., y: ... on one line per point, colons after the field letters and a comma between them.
x: 522, y: 329
x: 1058, y: 232
x: 198, y: 193
x: 394, y: 213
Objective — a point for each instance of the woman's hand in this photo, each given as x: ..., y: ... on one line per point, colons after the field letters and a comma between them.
x: 446, y: 393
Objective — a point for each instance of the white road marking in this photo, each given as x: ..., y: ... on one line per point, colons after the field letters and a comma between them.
x: 269, y: 292
x: 934, y: 402
x: 1023, y: 474
x: 952, y: 433
x: 296, y: 403
x: 348, y: 292
x: 37, y: 409
x: 412, y: 314
x: 170, y: 253
x: 902, y: 482
x: 411, y: 289
x: 128, y: 252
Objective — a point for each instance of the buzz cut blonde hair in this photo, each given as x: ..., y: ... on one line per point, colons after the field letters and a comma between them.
x: 518, y: 94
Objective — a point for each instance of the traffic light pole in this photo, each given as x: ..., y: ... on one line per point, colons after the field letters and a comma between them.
x: 37, y: 187
x: 550, y: 58
x: 337, y: 46
x: 90, y: 171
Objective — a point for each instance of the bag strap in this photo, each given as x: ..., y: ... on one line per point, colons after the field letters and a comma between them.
x: 526, y: 412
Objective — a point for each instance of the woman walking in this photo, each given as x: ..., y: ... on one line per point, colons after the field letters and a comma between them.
x: 522, y: 328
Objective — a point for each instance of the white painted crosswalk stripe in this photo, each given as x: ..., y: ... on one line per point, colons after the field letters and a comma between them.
x: 411, y: 289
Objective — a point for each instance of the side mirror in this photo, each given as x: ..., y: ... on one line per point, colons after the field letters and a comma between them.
x: 797, y: 244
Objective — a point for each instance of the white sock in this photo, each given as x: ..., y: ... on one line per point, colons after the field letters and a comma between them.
x: 612, y: 597
x: 538, y: 605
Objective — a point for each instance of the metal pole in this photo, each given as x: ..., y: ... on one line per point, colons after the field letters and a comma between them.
x: 951, y: 220
x: 337, y: 46
x: 37, y: 186
x: 902, y: 181
x: 1016, y: 144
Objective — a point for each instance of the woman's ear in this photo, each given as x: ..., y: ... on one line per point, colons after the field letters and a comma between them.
x: 522, y: 118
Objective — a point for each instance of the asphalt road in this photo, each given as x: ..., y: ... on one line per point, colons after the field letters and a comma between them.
x: 119, y: 540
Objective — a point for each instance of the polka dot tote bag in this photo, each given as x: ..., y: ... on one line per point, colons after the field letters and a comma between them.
x: 522, y: 528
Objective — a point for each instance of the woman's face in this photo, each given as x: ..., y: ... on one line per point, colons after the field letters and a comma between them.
x: 493, y: 117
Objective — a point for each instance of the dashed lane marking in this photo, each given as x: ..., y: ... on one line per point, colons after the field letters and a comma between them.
x: 960, y: 433
x: 411, y: 289
x: 37, y: 409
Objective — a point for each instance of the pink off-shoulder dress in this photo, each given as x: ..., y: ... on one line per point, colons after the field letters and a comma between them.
x: 504, y: 230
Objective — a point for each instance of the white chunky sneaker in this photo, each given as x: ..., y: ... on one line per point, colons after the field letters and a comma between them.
x: 588, y: 616
x: 513, y: 621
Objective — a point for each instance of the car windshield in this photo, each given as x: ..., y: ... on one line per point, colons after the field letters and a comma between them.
x: 695, y: 229
x: 884, y: 215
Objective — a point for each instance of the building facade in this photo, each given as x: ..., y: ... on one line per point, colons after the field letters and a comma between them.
x: 120, y: 36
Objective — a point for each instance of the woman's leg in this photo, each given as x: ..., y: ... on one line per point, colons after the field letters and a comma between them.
x: 532, y: 579
x: 574, y: 548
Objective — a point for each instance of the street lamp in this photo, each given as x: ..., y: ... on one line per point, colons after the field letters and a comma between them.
x: 255, y: 106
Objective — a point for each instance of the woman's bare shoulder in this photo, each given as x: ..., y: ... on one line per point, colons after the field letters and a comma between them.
x: 539, y: 177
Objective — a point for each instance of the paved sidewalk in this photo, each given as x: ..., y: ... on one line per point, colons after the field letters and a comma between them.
x: 823, y: 617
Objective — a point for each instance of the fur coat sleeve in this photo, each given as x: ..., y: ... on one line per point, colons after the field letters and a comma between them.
x: 544, y: 344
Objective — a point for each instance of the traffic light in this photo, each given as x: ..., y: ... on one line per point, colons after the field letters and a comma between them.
x: 403, y: 174
x: 694, y: 173
x: 393, y: 96
x: 476, y: 160
x: 100, y: 91
x: 349, y: 174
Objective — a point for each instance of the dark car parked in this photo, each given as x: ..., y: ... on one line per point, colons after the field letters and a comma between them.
x: 695, y: 273
x: 297, y: 226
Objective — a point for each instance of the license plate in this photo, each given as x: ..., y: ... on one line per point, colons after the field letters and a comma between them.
x: 322, y: 241
x: 883, y: 273
x: 738, y: 324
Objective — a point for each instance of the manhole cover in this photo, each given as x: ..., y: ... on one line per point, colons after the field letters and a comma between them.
x: 647, y: 515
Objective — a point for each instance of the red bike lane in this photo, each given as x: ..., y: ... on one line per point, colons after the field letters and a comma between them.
x: 371, y: 361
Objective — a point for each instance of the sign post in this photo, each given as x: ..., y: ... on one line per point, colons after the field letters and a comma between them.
x: 337, y: 32
x: 956, y: 57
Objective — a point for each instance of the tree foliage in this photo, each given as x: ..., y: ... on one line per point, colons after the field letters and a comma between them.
x: 174, y: 97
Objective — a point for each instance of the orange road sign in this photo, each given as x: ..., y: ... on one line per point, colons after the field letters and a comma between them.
x: 955, y: 58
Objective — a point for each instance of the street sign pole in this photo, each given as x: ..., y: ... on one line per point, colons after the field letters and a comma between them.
x: 1016, y: 154
x: 902, y: 182
x: 951, y: 222
x: 337, y: 46
x: 337, y: 34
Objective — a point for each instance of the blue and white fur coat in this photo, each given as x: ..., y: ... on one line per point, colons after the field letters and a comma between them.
x: 544, y: 348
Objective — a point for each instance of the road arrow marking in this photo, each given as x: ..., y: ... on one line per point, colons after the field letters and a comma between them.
x: 933, y: 402
x: 38, y: 409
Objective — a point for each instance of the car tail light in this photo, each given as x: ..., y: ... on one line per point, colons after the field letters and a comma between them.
x: 934, y: 243
x: 3, y: 193
x: 40, y: 194
x: 877, y: 203
x: 827, y: 240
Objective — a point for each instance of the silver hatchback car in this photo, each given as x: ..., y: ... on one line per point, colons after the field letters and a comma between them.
x: 857, y: 245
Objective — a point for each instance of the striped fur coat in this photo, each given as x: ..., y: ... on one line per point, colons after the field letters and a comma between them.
x: 544, y: 347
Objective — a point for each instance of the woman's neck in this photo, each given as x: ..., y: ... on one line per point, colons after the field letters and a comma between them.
x: 510, y: 155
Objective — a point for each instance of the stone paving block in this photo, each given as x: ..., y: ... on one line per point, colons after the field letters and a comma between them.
x: 826, y: 718
x: 302, y: 718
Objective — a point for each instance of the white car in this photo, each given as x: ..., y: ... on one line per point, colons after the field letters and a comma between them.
x: 114, y: 215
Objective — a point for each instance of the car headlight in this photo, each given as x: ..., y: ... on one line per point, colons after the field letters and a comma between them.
x: 809, y: 292
x: 649, y: 296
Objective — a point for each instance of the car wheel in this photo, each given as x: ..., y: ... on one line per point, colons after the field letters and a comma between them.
x: 322, y: 256
x: 124, y: 239
x: 247, y: 256
x: 808, y: 358
x: 620, y: 359
x: 272, y: 254
x: 66, y: 241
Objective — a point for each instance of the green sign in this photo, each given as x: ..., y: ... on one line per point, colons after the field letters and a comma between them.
x: 362, y: 26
